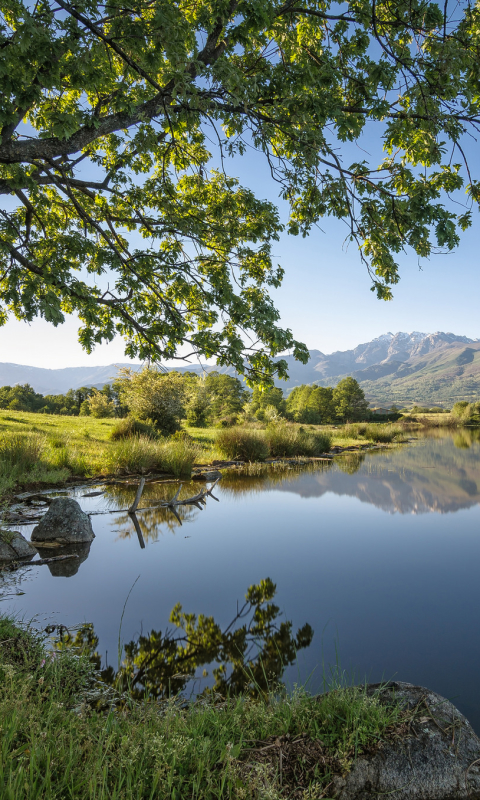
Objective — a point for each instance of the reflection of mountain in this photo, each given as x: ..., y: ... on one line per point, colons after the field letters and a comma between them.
x: 435, y: 475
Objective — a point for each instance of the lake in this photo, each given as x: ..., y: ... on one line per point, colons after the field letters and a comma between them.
x: 378, y: 553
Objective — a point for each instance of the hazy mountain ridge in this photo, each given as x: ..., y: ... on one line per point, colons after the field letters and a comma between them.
x: 401, y: 368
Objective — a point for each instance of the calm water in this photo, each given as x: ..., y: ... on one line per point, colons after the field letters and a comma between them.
x: 379, y: 554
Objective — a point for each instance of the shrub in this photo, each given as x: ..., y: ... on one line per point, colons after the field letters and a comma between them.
x: 128, y: 426
x: 241, y: 443
x: 142, y: 454
x: 132, y: 454
x: 383, y: 433
x: 99, y: 405
x: 288, y: 440
x: 227, y: 422
x: 179, y: 455
x: 153, y: 395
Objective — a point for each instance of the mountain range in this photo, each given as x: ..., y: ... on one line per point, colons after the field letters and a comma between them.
x: 401, y: 368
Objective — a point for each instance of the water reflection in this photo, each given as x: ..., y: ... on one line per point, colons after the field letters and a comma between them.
x: 438, y: 474
x: 248, y: 656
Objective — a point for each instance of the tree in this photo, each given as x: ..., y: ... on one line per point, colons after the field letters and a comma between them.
x: 117, y: 122
x: 226, y: 395
x: 349, y: 401
x: 153, y: 395
x: 99, y: 405
x: 311, y: 404
x: 266, y: 402
x: 20, y: 397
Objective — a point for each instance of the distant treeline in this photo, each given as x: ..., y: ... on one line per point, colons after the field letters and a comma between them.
x: 212, y: 399
x: 72, y: 403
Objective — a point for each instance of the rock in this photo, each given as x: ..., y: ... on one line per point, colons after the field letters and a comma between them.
x: 14, y: 546
x: 435, y: 761
x: 64, y: 522
x: 69, y: 567
x: 213, y: 475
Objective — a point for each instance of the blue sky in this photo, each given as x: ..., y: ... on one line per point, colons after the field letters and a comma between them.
x: 325, y: 298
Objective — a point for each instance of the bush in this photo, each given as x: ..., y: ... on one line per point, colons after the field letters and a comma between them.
x: 99, y: 406
x: 383, y: 433
x: 153, y: 396
x: 288, y: 440
x: 241, y: 443
x: 132, y: 454
x: 142, y: 454
x: 20, y: 452
x: 178, y: 455
x: 128, y: 427
x: 227, y: 422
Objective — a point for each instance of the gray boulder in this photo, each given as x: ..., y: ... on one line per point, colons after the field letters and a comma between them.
x: 64, y: 522
x: 14, y: 546
x: 439, y: 758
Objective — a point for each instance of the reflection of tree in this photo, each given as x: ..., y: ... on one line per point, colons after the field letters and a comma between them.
x: 257, y: 478
x: 121, y: 496
x: 350, y: 463
x: 249, y: 656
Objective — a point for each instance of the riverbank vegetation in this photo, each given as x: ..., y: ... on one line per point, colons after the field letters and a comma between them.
x: 41, y: 449
x: 56, y: 742
x: 148, y: 421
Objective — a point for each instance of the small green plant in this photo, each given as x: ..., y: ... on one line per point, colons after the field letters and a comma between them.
x: 243, y: 444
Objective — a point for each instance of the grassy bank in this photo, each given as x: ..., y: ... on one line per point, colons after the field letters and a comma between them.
x: 54, y: 745
x: 48, y: 449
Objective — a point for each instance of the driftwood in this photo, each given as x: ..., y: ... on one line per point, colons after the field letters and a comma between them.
x: 135, y: 503
x: 138, y: 529
x: 198, y: 500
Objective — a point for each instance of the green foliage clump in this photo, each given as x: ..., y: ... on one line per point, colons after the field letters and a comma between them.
x: 140, y: 454
x: 136, y: 454
x: 98, y: 405
x: 317, y: 405
x: 177, y: 456
x: 267, y: 403
x: 241, y: 443
x: 311, y: 404
x: 129, y: 426
x: 151, y: 395
x: 468, y: 413
x: 349, y: 401
x: 24, y: 459
x: 288, y: 440
x: 214, y: 399
x: 72, y: 403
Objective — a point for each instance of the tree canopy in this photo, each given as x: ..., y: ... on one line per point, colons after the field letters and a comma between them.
x: 116, y: 127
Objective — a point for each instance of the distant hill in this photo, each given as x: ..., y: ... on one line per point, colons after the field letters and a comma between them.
x: 401, y: 368
x: 58, y: 381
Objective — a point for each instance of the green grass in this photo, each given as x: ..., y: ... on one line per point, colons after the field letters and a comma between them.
x: 55, y: 746
x: 47, y: 449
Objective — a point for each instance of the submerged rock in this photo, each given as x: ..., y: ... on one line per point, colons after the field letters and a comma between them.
x: 439, y: 758
x: 64, y: 522
x: 14, y: 546
x: 211, y: 475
